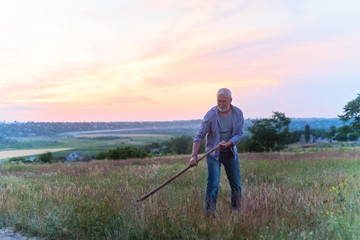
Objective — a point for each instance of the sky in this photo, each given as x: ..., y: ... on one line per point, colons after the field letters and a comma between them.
x: 157, y: 60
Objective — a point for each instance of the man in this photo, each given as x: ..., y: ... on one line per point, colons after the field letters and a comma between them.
x: 223, y: 127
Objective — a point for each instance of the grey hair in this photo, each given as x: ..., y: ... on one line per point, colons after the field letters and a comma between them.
x: 223, y: 91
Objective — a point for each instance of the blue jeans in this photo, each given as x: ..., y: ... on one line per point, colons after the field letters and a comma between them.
x: 232, y: 169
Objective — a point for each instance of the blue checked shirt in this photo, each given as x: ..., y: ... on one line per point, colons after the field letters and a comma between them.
x: 210, y: 127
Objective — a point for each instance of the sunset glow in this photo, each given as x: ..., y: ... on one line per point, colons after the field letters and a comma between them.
x: 164, y: 60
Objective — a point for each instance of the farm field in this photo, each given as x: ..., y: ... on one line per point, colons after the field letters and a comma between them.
x: 21, y: 153
x: 307, y: 195
x: 88, y: 143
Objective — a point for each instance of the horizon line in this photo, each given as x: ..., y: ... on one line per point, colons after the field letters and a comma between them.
x: 184, y: 120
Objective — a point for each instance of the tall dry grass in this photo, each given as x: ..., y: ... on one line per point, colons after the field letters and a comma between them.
x: 285, y: 196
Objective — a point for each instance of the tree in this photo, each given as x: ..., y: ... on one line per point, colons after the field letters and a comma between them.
x: 295, y: 136
x: 269, y: 134
x: 352, y: 112
x: 353, y: 136
x: 343, y: 133
x: 332, y: 132
x: 307, y: 133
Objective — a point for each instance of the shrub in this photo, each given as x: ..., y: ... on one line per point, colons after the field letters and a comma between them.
x: 100, y: 156
x: 125, y: 152
x: 16, y: 159
x: 60, y: 159
x: 85, y: 158
x: 45, y: 157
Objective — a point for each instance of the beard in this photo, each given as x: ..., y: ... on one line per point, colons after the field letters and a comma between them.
x: 223, y: 109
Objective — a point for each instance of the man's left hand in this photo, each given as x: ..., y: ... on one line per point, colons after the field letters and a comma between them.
x: 224, y: 145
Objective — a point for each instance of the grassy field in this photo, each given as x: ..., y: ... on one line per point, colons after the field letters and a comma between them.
x: 309, y: 195
x: 88, y: 143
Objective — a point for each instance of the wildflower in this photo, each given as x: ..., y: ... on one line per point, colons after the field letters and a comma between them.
x: 333, y: 188
x: 283, y: 219
x: 327, y: 212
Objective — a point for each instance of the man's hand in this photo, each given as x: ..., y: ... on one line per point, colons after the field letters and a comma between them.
x: 193, y: 161
x: 224, y: 145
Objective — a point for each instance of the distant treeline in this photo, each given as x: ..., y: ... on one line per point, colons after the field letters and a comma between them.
x: 188, y: 127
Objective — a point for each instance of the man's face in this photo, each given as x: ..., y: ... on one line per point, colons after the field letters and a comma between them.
x: 223, y: 102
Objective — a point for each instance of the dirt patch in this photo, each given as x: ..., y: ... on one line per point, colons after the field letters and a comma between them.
x: 22, y: 153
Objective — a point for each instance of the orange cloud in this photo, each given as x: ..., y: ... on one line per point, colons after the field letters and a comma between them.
x: 175, y: 73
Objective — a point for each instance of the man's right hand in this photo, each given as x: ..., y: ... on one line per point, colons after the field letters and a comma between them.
x: 193, y: 161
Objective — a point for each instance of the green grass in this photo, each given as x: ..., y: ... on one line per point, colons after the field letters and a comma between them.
x: 285, y: 196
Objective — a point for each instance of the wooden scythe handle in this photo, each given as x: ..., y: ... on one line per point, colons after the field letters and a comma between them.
x: 172, y: 178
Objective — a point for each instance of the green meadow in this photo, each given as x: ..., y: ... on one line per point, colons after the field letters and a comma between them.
x: 286, y: 195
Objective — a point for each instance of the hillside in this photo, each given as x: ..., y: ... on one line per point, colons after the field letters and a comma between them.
x: 35, y: 129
